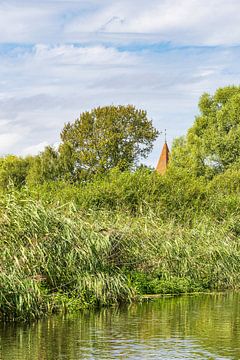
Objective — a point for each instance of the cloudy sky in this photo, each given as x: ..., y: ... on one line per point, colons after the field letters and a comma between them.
x: 61, y: 57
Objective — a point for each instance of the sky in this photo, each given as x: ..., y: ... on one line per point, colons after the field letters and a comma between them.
x: 59, y: 58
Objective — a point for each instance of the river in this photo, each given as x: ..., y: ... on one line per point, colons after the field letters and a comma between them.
x: 186, y: 327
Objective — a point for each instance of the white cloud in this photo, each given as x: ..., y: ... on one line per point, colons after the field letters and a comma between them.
x: 47, y: 86
x: 21, y: 22
x: 8, y: 140
x: 74, y: 55
x: 205, y: 22
x: 34, y: 149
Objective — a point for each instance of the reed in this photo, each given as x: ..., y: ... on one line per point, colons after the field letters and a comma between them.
x: 62, y: 257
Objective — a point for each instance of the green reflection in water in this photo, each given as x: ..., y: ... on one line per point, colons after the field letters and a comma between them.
x: 197, y: 327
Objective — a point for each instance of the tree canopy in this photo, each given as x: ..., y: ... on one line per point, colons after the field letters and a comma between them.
x: 212, y: 144
x: 112, y: 137
x: 108, y: 137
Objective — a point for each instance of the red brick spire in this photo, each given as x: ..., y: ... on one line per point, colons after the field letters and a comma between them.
x: 163, y: 160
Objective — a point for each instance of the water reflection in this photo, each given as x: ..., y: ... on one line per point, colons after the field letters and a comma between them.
x: 198, y: 327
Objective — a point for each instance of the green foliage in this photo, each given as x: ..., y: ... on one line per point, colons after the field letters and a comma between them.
x: 53, y: 165
x: 115, y: 190
x: 58, y: 258
x: 108, y: 137
x: 44, y: 167
x: 79, y: 226
x: 69, y: 302
x: 13, y: 171
x: 212, y: 143
x: 152, y: 284
x: 174, y: 195
x: 52, y: 250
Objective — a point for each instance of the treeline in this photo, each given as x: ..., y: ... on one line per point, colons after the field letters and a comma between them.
x: 85, y: 225
x: 118, y: 137
x: 100, y: 140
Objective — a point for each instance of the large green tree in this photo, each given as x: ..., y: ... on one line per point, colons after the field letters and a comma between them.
x: 108, y: 137
x: 212, y: 144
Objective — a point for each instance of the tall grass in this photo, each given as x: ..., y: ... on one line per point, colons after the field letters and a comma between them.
x: 46, y: 251
x: 65, y: 257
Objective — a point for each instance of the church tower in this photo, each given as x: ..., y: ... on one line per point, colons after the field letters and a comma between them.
x: 163, y: 160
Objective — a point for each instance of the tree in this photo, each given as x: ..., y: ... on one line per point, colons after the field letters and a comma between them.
x: 212, y: 144
x: 108, y: 137
x: 52, y: 165
x: 13, y: 171
x: 44, y: 167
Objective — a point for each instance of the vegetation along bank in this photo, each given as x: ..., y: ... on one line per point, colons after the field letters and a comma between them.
x: 87, y: 225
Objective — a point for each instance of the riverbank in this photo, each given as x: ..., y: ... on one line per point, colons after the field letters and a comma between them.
x: 85, y: 225
x: 61, y: 258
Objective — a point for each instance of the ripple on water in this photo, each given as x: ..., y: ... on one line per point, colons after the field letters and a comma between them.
x: 196, y: 327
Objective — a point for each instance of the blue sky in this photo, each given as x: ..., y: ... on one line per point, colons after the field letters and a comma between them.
x: 59, y: 58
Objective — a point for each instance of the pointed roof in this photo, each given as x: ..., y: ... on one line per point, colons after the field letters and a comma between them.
x: 163, y: 160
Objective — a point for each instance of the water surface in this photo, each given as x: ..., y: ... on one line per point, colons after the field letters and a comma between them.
x: 188, y: 327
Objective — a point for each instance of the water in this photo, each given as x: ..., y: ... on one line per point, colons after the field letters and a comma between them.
x: 196, y: 327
